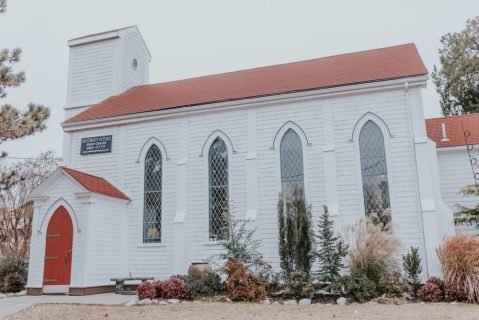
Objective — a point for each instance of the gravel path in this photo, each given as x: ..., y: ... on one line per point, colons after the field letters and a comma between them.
x: 236, y: 311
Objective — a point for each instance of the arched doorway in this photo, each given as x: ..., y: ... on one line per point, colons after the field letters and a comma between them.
x: 58, y: 252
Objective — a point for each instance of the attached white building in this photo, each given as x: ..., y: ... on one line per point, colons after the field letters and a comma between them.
x: 457, y: 140
x: 349, y: 129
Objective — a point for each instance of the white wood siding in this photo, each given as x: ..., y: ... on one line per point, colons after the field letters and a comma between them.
x: 157, y: 260
x: 133, y: 48
x: 92, y: 71
x: 454, y: 173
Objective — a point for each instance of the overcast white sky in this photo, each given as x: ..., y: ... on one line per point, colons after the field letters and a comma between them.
x: 193, y: 38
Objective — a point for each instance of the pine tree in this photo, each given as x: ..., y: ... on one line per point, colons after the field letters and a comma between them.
x: 466, y: 215
x: 295, y: 234
x: 15, y: 124
x: 411, y: 264
x: 332, y: 250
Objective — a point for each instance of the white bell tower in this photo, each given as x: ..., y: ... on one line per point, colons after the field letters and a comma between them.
x: 103, y: 65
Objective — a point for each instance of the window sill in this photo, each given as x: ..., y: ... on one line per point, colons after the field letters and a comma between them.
x: 151, y: 245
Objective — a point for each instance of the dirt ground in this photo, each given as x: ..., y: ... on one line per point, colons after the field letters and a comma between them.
x: 236, y: 311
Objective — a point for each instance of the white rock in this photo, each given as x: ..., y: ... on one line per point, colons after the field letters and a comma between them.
x: 22, y: 293
x: 304, y: 301
x: 267, y: 301
x: 155, y: 301
x: 132, y: 303
x: 11, y: 294
x: 228, y: 300
x: 173, y: 301
x: 163, y: 302
x: 275, y: 303
x: 2, y: 296
x: 323, y: 292
x: 146, y: 302
x: 341, y: 301
x: 196, y: 301
x: 291, y: 302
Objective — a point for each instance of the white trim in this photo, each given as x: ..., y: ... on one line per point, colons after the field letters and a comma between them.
x: 277, y: 147
x: 452, y: 149
x: 42, y: 231
x: 387, y: 141
x: 206, y: 168
x: 329, y: 160
x: 251, y: 168
x: 285, y: 98
x: 56, y: 289
x: 141, y: 160
x: 51, y: 210
x: 212, y: 137
x: 147, y: 145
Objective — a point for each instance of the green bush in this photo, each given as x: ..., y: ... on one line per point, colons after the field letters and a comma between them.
x: 359, y: 287
x: 411, y: 264
x: 12, y: 265
x: 207, y: 286
x: 14, y: 282
x: 392, y: 286
x: 298, y: 286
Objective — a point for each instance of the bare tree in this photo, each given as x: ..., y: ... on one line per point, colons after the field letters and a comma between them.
x: 16, y: 211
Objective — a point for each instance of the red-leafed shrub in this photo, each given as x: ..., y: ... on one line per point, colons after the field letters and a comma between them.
x: 159, y: 288
x: 438, y: 282
x: 240, y: 284
x: 173, y: 288
x: 146, y: 290
x: 454, y: 291
x: 432, y: 291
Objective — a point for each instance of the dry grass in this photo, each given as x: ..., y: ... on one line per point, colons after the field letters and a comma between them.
x: 459, y: 257
x: 252, y: 311
x: 374, y: 251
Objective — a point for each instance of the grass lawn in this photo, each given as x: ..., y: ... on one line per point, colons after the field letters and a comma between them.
x: 236, y: 311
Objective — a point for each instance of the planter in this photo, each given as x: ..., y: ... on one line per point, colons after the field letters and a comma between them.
x: 198, y: 269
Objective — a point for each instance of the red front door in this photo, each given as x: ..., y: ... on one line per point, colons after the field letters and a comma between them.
x: 58, y: 251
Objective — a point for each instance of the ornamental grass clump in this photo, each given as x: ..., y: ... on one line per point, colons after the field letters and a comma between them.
x: 459, y: 258
x: 374, y: 252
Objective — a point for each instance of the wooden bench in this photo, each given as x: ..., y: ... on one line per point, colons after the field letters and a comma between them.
x: 120, y: 283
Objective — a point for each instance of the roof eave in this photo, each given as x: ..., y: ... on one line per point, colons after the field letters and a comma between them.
x: 417, y: 80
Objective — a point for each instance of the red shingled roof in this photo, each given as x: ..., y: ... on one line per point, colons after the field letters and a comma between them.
x: 346, y: 69
x: 454, y: 130
x: 95, y: 184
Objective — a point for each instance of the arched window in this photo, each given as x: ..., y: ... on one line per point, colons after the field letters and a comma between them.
x: 152, y: 196
x: 218, y: 188
x: 374, y: 171
x: 291, y: 158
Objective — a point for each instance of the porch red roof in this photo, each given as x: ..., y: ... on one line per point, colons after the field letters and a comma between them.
x: 454, y: 130
x: 95, y: 184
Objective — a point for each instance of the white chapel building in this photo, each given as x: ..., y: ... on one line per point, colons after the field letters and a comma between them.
x: 148, y: 168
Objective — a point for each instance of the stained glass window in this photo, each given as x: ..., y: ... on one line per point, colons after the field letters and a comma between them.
x: 218, y: 190
x: 291, y: 154
x: 374, y: 171
x: 152, y: 196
